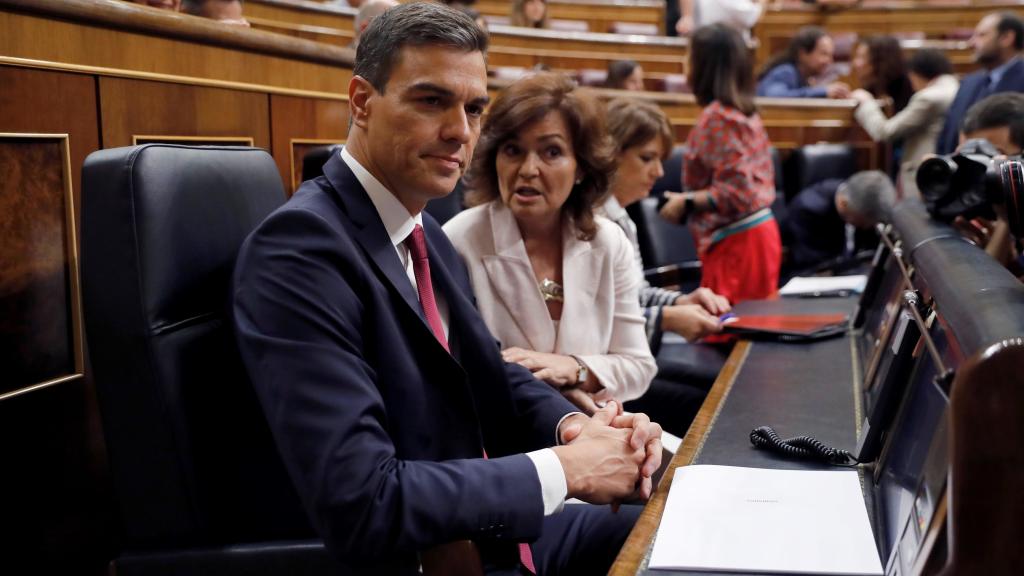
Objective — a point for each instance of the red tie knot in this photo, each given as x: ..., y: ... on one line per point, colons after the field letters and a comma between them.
x: 416, y: 242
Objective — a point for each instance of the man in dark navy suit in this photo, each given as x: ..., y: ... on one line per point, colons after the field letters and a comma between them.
x: 997, y: 43
x: 396, y: 418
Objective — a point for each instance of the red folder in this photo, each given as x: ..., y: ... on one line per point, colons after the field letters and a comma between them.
x: 803, y: 325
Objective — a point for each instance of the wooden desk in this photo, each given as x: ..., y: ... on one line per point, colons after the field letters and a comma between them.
x: 944, y: 493
x: 600, y: 15
x: 724, y: 419
x: 303, y: 12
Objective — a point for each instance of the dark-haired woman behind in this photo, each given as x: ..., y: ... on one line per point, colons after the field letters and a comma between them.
x: 625, y: 75
x: 881, y: 70
x: 729, y: 169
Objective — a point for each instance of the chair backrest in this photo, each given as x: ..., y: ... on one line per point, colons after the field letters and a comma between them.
x: 672, y: 179
x: 191, y: 454
x: 816, y: 162
x: 314, y: 160
x: 661, y: 243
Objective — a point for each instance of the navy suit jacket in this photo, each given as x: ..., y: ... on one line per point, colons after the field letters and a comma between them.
x: 970, y: 92
x: 380, y: 429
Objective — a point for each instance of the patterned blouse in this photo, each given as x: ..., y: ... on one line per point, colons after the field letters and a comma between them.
x: 727, y: 154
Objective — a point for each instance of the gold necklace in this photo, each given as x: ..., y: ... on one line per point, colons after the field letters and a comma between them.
x: 551, y: 291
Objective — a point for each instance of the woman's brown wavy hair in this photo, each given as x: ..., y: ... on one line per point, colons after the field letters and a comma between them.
x: 528, y: 101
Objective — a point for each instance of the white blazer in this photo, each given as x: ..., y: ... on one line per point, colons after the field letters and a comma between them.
x: 601, y: 322
x: 918, y: 125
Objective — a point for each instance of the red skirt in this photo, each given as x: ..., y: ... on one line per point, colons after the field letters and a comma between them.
x: 745, y: 265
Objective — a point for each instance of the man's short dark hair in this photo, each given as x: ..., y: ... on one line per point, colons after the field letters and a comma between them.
x: 929, y: 63
x: 996, y: 111
x: 1010, y: 22
x: 414, y: 24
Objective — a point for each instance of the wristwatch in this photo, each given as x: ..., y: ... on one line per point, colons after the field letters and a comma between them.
x: 582, y: 372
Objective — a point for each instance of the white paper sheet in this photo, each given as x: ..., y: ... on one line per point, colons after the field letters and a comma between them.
x: 823, y: 285
x: 755, y: 520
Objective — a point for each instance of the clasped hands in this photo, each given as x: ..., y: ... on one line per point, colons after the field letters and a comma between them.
x: 610, y: 456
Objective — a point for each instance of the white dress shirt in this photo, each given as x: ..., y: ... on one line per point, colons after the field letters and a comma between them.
x: 399, y: 224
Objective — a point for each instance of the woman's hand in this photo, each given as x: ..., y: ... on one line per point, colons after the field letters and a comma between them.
x: 582, y: 400
x: 555, y: 369
x: 837, y: 90
x: 684, y: 25
x: 715, y: 304
x: 861, y: 95
x: 675, y: 207
x: 689, y: 321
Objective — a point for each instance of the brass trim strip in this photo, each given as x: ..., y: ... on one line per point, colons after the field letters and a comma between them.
x: 171, y: 139
x: 174, y: 79
x: 75, y: 296
x: 40, y: 386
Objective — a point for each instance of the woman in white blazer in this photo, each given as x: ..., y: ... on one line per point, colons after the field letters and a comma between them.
x: 919, y: 124
x: 557, y: 285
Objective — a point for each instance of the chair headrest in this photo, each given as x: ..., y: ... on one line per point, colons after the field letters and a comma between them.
x: 175, y: 216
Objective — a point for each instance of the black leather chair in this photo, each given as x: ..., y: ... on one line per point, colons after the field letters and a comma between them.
x: 314, y: 160
x: 668, y: 250
x: 199, y: 483
x: 816, y: 162
x: 442, y: 209
x: 672, y: 179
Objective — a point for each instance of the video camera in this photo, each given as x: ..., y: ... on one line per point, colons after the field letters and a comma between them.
x: 971, y: 182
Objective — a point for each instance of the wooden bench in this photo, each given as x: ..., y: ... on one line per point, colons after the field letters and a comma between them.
x: 600, y: 15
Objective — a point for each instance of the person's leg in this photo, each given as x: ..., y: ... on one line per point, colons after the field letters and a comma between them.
x: 696, y: 364
x: 673, y: 404
x: 582, y: 539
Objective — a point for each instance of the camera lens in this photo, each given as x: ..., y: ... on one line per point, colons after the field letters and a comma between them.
x: 934, y: 176
x: 1012, y: 176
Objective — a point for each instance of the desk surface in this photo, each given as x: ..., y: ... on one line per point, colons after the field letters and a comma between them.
x: 799, y: 389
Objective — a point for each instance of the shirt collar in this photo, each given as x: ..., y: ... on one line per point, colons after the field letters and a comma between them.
x: 397, y: 220
x: 613, y: 209
x: 997, y: 73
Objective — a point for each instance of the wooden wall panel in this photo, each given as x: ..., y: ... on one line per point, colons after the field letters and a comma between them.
x: 39, y: 38
x: 139, y: 107
x: 45, y: 102
x: 301, y: 123
x: 56, y: 501
x: 40, y: 312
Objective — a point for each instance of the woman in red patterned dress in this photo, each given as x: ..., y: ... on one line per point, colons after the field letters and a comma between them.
x: 728, y: 170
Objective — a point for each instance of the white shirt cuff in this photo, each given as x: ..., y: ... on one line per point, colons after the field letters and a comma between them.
x: 553, y: 488
x: 558, y: 427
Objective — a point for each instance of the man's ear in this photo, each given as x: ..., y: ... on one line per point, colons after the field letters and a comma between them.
x: 360, y: 99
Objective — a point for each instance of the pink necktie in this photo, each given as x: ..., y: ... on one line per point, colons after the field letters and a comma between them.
x: 417, y: 245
